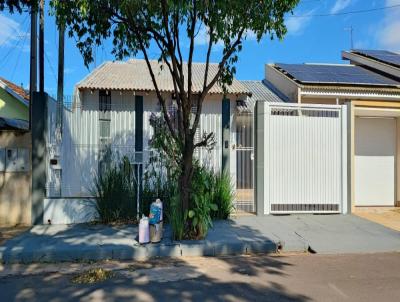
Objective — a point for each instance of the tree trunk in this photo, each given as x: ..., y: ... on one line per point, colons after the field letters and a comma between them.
x: 186, y: 176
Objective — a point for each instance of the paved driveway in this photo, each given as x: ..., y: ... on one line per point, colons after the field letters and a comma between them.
x: 327, y: 234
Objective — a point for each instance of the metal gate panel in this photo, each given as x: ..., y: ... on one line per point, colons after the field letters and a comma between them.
x: 305, y: 158
x: 245, y: 163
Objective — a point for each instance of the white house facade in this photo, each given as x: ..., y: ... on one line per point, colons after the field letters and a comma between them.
x: 113, y: 106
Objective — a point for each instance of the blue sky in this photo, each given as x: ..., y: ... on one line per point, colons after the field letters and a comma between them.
x: 310, y: 38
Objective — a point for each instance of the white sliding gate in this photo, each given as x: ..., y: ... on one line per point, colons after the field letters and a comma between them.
x: 305, y: 158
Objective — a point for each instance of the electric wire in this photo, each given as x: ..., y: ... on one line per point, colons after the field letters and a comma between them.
x: 361, y: 11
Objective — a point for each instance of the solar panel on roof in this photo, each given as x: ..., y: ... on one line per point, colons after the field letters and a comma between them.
x: 335, y: 74
x: 381, y: 55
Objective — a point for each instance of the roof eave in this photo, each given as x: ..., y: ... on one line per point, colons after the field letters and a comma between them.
x: 351, y: 86
x: 350, y: 93
x: 81, y: 88
x: 13, y: 93
x: 286, y: 75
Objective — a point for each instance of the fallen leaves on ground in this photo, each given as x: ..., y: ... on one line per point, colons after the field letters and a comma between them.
x: 92, y: 276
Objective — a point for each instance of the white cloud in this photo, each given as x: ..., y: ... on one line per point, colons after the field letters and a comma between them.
x: 68, y: 70
x: 361, y: 44
x: 388, y: 33
x: 9, y: 30
x: 250, y: 35
x: 339, y: 6
x: 11, y: 34
x: 203, y: 37
x: 296, y: 25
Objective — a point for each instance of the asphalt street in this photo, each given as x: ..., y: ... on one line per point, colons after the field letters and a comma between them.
x: 298, y: 277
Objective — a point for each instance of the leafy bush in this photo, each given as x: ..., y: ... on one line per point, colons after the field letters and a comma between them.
x: 115, y: 191
x: 199, y: 215
x: 223, y: 196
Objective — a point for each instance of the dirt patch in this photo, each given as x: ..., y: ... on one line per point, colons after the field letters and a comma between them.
x: 388, y: 217
x: 397, y: 210
x: 7, y: 233
x: 92, y: 276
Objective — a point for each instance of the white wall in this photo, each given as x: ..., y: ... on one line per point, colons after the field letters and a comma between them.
x: 80, y: 143
x: 67, y: 211
x: 375, y: 161
x: 80, y: 153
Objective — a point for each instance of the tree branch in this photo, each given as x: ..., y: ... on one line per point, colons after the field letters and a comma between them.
x: 221, y: 65
x: 206, y: 140
x: 191, y: 29
x: 160, y: 98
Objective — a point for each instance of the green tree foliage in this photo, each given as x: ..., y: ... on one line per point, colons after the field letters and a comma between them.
x: 16, y: 5
x: 135, y: 25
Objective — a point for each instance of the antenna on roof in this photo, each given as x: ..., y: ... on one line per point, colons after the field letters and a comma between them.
x: 350, y: 29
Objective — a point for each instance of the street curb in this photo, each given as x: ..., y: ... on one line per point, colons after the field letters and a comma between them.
x: 137, y: 252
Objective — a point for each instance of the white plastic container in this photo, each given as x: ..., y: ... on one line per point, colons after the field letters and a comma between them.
x: 144, y: 231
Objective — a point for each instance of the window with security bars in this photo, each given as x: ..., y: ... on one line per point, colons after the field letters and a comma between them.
x: 104, y: 130
x: 197, y: 136
x: 104, y: 116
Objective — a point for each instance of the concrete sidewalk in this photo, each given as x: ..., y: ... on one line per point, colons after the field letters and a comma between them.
x: 245, y: 235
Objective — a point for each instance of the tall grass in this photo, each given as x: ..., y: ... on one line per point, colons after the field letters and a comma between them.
x: 115, y: 191
x: 223, y: 196
x: 176, y: 218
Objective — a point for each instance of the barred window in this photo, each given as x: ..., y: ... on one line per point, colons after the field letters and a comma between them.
x: 104, y: 116
x: 197, y: 136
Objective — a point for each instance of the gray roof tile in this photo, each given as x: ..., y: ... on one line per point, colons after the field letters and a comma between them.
x: 260, y: 92
x: 134, y: 75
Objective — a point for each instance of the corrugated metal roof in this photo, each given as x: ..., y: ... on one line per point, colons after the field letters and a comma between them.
x: 13, y: 124
x: 259, y: 92
x: 134, y: 75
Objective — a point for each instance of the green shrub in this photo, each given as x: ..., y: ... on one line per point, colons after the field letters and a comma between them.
x: 176, y: 218
x: 223, y: 196
x: 115, y: 191
x: 199, y: 215
x: 218, y: 188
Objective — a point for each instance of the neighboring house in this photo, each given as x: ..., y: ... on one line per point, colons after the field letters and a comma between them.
x: 14, y: 101
x: 370, y: 86
x: 112, y: 108
x: 15, y: 146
